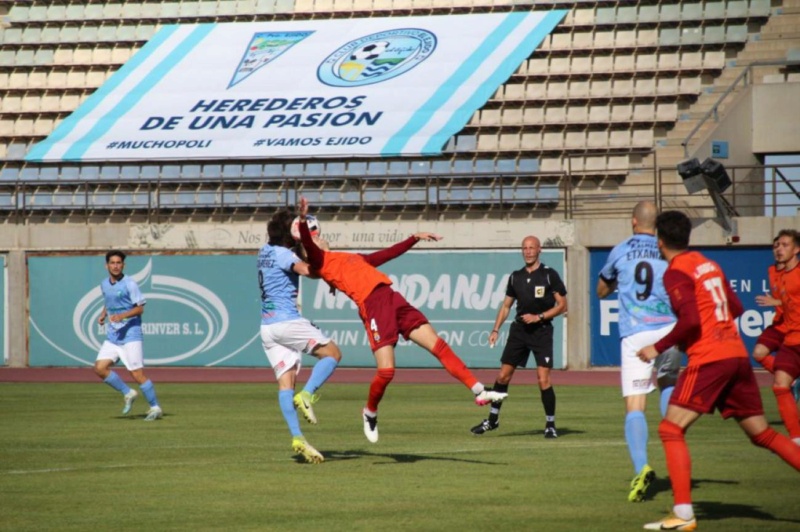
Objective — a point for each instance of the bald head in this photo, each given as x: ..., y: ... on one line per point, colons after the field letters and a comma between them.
x: 531, y: 241
x: 644, y: 217
x: 531, y: 248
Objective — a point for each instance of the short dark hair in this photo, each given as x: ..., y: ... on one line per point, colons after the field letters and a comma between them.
x: 794, y: 235
x: 279, y: 229
x: 115, y: 253
x: 674, y: 229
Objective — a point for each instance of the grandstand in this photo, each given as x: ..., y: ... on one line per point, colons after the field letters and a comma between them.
x: 593, y: 120
x: 597, y: 118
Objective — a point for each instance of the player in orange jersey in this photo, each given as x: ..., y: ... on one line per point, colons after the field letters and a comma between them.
x: 772, y: 337
x: 787, y: 360
x: 385, y: 314
x: 718, y: 375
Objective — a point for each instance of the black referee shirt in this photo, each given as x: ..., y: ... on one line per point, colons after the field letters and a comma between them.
x: 535, y: 291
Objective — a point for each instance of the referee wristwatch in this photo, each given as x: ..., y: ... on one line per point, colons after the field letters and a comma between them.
x: 541, y: 317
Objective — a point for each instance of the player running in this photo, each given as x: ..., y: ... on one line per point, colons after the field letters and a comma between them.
x: 636, y: 269
x: 719, y: 374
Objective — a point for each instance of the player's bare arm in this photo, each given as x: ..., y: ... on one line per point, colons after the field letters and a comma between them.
x: 766, y: 300
x: 302, y: 268
x: 647, y: 353
x: 604, y: 288
x: 138, y: 310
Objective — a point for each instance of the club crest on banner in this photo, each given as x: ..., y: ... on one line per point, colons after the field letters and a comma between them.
x: 265, y: 47
x: 377, y: 57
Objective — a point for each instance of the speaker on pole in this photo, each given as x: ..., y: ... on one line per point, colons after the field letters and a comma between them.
x: 692, y: 175
x: 716, y: 173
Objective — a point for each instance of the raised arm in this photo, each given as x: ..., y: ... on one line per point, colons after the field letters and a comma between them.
x: 314, y: 254
x: 385, y: 255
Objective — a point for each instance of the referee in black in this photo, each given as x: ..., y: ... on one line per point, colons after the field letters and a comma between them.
x: 541, y: 296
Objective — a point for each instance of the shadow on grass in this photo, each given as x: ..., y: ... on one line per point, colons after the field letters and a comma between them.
x: 662, y: 485
x: 398, y: 458
x: 717, y: 511
x: 140, y: 417
x: 562, y: 432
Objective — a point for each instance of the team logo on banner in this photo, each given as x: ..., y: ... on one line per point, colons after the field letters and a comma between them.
x: 377, y: 57
x: 264, y: 47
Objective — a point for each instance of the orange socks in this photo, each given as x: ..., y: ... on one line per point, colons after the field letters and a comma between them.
x: 679, y: 463
x: 780, y: 445
x: 788, y: 410
x: 376, y: 390
x: 454, y: 365
x: 768, y: 363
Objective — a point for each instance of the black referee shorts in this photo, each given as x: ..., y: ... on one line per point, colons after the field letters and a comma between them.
x: 522, y: 339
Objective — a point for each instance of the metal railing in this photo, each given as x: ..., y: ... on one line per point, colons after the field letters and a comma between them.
x: 746, y: 78
x: 755, y: 191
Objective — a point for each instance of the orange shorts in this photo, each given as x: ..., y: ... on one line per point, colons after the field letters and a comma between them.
x: 386, y: 314
x: 727, y: 385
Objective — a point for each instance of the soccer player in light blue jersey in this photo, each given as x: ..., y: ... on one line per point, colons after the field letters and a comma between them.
x: 286, y: 335
x: 122, y: 316
x: 636, y: 269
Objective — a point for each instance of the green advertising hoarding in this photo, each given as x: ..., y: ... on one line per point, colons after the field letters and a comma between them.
x: 203, y: 310
x: 459, y: 292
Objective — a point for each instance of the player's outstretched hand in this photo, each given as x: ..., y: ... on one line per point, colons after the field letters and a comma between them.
x: 427, y: 237
x: 302, y: 208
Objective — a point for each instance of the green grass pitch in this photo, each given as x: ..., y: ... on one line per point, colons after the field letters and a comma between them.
x: 221, y: 460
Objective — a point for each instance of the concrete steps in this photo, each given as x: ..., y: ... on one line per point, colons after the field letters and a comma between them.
x: 780, y: 34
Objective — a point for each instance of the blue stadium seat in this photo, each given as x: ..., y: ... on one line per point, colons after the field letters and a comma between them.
x: 130, y: 172
x: 90, y: 173
x: 9, y: 174
x: 192, y: 171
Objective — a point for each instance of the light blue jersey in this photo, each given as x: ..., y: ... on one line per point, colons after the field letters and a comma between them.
x: 119, y: 297
x: 637, y: 267
x: 278, y: 283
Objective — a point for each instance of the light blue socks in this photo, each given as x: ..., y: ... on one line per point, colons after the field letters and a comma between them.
x: 666, y: 393
x: 636, y: 436
x: 322, y: 370
x: 149, y: 392
x: 285, y: 399
x: 117, y: 383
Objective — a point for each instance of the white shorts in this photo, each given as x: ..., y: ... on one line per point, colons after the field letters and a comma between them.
x: 285, y: 342
x: 637, y: 375
x: 131, y: 354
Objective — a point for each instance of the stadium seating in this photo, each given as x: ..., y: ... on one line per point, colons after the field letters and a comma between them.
x: 602, y: 93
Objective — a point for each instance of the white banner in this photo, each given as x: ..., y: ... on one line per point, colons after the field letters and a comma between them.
x: 347, y: 87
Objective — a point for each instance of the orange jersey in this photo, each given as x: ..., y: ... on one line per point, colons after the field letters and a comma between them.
x: 774, y: 275
x: 719, y: 338
x: 352, y: 274
x: 789, y: 294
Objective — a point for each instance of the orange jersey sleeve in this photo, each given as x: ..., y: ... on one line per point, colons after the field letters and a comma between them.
x: 719, y: 338
x: 774, y: 276
x: 351, y: 274
x: 789, y: 294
